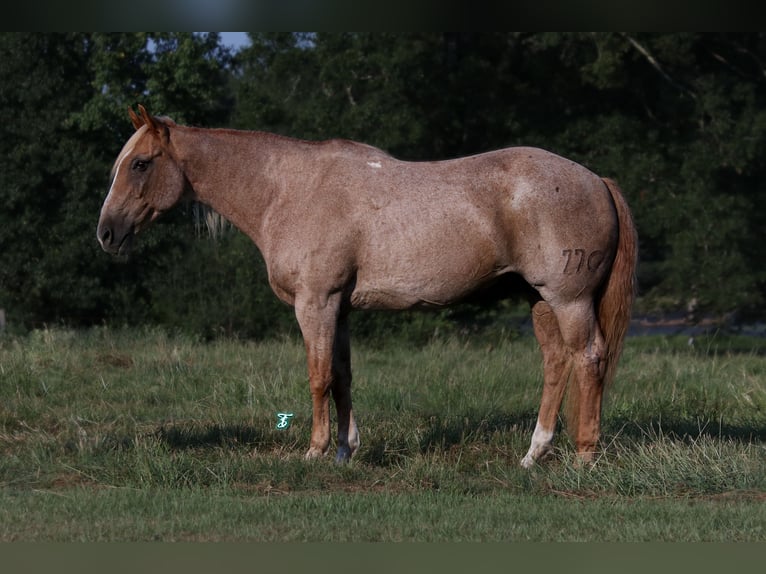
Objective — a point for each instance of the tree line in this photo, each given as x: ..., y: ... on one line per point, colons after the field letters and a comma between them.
x: 678, y: 119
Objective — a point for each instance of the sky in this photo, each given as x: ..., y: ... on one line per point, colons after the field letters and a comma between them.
x: 235, y: 40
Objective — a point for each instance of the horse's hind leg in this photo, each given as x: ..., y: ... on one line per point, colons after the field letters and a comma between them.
x: 348, y: 434
x: 556, y: 368
x: 582, y: 334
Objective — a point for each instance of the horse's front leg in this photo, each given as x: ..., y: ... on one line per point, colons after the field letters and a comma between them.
x: 318, y: 319
x: 348, y: 434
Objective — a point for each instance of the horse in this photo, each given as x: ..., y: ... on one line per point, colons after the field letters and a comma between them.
x: 343, y: 225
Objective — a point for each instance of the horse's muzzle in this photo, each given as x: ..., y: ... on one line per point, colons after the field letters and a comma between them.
x: 113, y: 239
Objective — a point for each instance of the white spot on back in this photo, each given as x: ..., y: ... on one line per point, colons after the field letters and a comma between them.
x: 522, y: 190
x: 375, y: 164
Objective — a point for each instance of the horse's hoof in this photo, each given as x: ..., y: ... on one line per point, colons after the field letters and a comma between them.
x: 585, y: 460
x: 527, y: 462
x: 343, y: 456
x: 537, y: 456
x: 313, y: 453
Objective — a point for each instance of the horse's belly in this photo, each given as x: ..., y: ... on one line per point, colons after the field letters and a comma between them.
x: 426, y: 288
x: 383, y: 297
x: 392, y: 297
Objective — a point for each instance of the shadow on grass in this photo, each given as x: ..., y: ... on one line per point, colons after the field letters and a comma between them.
x: 441, y: 433
x: 196, y: 436
x: 437, y: 434
x: 684, y: 428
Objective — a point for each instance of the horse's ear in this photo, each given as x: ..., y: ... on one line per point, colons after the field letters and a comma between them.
x: 147, y: 119
x: 137, y: 122
x: 157, y: 125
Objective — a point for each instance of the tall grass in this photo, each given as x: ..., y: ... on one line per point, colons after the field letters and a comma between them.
x: 106, y: 424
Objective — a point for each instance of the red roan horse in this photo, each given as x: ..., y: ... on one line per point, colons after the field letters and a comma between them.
x: 343, y: 225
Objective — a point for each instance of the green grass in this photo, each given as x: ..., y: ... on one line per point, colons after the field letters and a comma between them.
x: 128, y: 435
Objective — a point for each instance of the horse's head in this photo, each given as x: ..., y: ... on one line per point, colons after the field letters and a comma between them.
x: 146, y: 182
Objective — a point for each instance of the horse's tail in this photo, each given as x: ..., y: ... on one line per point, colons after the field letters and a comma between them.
x: 616, y: 300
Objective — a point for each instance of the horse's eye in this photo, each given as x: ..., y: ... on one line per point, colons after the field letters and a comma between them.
x: 140, y: 165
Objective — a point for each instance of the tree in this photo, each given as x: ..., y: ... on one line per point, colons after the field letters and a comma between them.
x: 677, y: 118
x: 694, y: 158
x: 48, y: 175
x: 70, y: 94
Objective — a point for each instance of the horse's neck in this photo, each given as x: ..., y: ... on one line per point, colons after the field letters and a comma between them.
x: 234, y: 173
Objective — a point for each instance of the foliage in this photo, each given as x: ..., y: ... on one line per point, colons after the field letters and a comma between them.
x: 679, y: 119
x: 70, y: 94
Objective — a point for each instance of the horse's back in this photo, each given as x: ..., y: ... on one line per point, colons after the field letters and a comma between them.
x: 429, y: 233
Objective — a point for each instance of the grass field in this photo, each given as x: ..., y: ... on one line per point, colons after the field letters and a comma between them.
x: 137, y: 435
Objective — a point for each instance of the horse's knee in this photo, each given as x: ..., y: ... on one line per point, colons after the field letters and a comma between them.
x: 320, y: 387
x: 593, y: 358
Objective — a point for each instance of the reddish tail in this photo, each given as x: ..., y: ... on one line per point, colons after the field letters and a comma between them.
x: 616, y: 301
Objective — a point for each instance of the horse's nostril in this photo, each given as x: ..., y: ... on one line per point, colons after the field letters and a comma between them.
x: 106, y: 236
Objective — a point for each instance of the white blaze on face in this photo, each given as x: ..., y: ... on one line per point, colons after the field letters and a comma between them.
x: 541, y: 443
x: 374, y: 164
x: 126, y: 151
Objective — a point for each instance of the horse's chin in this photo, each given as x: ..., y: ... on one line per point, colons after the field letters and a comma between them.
x: 125, y: 246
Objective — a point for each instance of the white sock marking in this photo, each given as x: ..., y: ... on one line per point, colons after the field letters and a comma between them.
x: 541, y: 442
